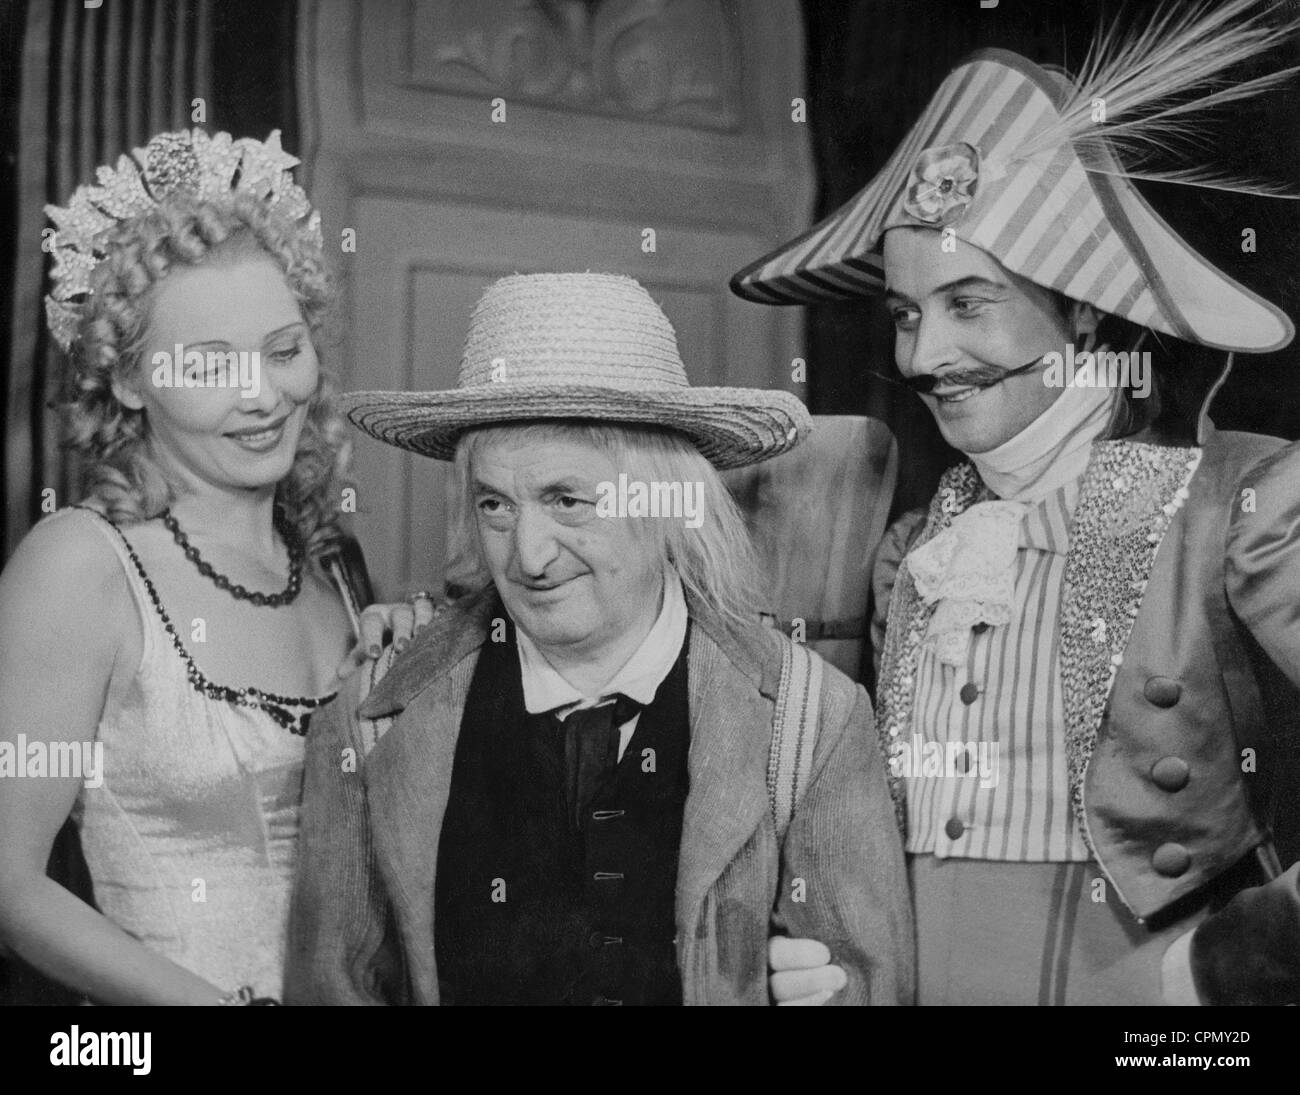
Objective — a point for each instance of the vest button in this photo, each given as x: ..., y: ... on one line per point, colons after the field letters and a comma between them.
x: 1171, y: 773
x: 954, y: 828
x: 1162, y: 691
x: 1171, y: 860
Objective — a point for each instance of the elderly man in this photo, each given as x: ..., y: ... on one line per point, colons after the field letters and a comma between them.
x: 598, y: 779
x: 1102, y: 596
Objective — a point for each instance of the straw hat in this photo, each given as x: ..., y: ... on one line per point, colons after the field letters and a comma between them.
x: 1021, y: 162
x: 587, y: 346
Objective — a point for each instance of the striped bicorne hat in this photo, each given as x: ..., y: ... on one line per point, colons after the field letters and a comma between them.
x: 1011, y: 158
x: 579, y: 346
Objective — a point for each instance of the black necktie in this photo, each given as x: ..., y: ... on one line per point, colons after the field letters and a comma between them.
x: 591, y: 737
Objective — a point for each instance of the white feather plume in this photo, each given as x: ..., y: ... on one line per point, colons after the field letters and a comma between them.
x: 1152, y: 82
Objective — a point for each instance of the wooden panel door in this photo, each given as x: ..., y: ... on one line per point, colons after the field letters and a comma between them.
x: 457, y: 143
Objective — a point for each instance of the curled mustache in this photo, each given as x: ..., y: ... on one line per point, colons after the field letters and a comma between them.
x: 979, y: 376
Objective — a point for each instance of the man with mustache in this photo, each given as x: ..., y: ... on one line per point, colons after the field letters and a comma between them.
x: 1105, y: 588
x: 597, y: 779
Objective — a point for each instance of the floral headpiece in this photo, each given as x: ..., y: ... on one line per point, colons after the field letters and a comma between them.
x: 182, y: 163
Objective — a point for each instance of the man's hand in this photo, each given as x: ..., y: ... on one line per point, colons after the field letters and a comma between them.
x: 801, y: 972
x: 398, y: 622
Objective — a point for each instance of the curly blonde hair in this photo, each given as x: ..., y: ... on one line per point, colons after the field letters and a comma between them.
x: 120, y: 472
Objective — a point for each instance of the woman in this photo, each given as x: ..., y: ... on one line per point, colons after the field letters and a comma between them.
x: 173, y: 635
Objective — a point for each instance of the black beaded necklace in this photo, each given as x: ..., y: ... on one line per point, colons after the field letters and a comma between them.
x: 267, y: 600
x: 292, y: 712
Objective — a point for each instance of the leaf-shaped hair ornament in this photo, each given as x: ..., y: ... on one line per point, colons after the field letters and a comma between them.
x: 187, y: 162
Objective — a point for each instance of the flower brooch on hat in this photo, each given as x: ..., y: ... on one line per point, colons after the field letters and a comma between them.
x: 943, y: 183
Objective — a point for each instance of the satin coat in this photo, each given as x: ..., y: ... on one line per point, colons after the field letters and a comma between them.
x: 1180, y: 661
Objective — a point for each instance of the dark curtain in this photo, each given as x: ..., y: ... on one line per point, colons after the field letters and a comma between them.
x: 78, y: 87
x: 12, y: 23
x: 872, y: 66
x: 91, y: 83
x: 254, y: 49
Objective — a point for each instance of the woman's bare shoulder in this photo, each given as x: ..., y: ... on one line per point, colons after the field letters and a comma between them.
x: 65, y: 565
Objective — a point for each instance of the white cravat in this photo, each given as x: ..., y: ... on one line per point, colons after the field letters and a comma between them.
x: 642, y: 674
x: 1052, y: 450
x: 968, y: 573
x: 968, y: 570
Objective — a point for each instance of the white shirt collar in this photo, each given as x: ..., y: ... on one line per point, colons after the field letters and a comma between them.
x: 640, y: 677
x: 1052, y: 450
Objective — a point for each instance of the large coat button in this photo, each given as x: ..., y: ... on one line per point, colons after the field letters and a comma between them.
x: 1171, y: 773
x: 1171, y: 860
x: 1162, y: 691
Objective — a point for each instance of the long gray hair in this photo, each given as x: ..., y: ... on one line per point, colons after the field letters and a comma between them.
x: 716, y: 562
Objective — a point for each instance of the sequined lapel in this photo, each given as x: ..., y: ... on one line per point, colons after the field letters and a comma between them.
x: 1127, y: 501
x: 959, y: 489
x: 1128, y: 498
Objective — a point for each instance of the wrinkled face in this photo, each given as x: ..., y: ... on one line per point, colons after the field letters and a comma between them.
x: 962, y: 310
x: 570, y: 579
x: 209, y: 434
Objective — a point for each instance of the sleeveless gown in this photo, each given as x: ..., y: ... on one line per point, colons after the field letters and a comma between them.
x: 191, y: 837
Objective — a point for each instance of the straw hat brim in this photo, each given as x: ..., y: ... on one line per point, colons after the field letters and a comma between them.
x: 732, y: 427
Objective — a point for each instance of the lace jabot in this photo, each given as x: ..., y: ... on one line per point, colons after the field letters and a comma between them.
x: 968, y: 573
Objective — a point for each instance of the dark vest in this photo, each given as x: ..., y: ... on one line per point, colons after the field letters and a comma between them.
x: 530, y: 909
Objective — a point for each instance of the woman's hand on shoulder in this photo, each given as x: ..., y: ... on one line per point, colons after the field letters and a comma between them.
x: 380, y: 624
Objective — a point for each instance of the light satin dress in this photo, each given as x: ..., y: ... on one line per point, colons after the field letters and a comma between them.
x: 191, y: 838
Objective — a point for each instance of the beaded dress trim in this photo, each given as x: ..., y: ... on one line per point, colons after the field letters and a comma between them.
x: 292, y: 712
